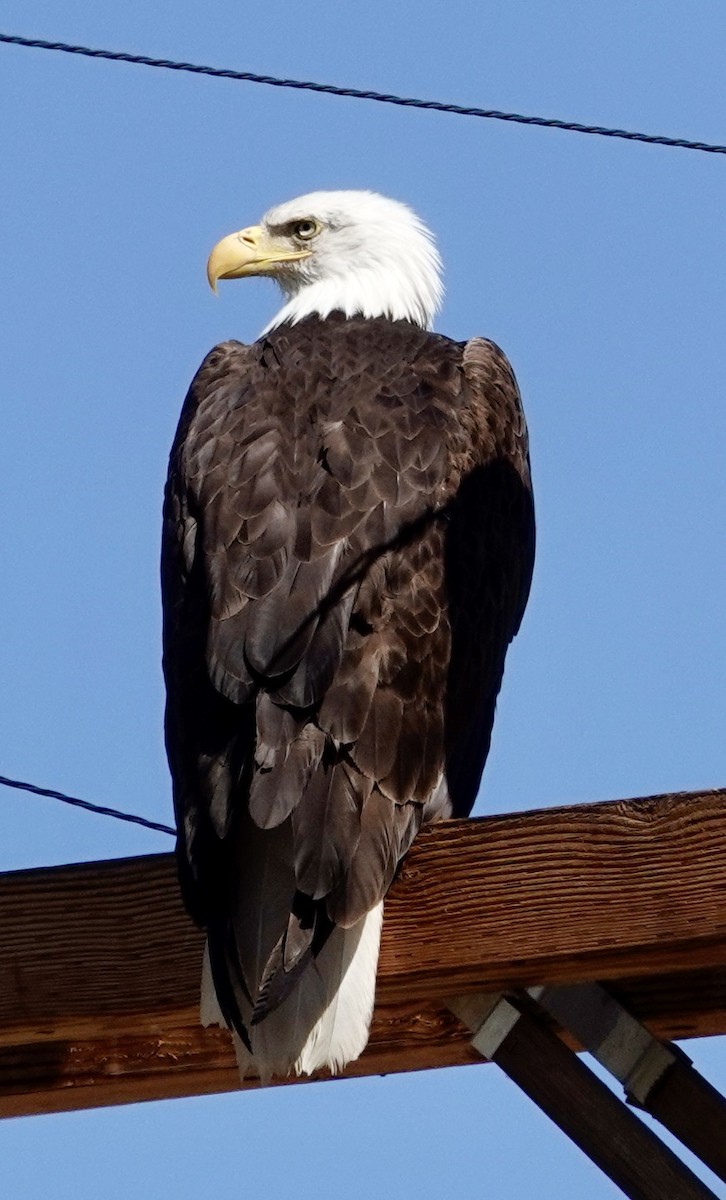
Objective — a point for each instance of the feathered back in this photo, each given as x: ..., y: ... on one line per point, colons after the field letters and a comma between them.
x: 348, y: 544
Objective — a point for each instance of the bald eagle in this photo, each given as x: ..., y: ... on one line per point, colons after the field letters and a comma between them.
x: 347, y: 552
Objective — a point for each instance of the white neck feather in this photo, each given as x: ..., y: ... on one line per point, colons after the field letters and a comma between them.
x: 366, y: 293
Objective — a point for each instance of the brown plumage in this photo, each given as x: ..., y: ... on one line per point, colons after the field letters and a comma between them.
x: 347, y: 551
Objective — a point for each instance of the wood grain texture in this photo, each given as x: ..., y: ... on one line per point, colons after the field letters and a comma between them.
x: 99, y: 965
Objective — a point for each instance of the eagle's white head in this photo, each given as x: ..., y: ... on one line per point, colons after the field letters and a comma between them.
x: 357, y: 252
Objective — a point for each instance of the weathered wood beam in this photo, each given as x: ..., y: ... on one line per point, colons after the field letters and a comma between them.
x: 99, y: 966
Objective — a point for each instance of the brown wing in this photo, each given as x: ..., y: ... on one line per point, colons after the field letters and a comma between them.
x: 489, y: 561
x: 347, y: 551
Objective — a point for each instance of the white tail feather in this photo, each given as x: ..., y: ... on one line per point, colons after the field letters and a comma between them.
x: 326, y: 1020
x: 209, y: 1011
x: 341, y: 1033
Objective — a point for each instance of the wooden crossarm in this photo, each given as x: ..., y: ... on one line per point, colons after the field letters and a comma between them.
x: 99, y: 965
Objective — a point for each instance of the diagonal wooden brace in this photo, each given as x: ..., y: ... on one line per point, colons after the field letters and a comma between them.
x: 657, y: 1076
x: 519, y: 1041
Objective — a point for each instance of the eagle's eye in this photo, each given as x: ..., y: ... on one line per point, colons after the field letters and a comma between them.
x: 306, y: 229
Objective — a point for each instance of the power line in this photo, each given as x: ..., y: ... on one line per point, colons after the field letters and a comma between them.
x: 102, y: 810
x: 331, y: 89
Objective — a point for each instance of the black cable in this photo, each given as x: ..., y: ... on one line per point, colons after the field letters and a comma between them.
x: 331, y: 89
x: 132, y: 818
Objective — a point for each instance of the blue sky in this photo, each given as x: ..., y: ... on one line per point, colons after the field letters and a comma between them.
x: 597, y: 265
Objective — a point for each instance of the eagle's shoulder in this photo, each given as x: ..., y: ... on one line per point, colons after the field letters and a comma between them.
x: 221, y: 371
x: 496, y: 404
x: 226, y: 356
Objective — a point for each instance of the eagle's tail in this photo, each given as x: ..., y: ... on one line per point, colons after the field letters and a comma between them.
x: 324, y: 1022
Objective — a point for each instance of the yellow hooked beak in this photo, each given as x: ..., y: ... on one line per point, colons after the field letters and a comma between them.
x: 252, y: 251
